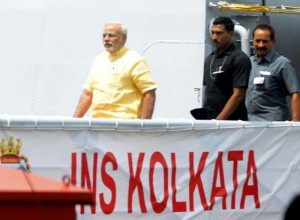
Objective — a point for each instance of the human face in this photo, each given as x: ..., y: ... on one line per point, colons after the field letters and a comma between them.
x: 113, y: 39
x: 262, y: 42
x: 221, y: 37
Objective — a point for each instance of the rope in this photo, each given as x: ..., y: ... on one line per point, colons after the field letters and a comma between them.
x: 224, y: 6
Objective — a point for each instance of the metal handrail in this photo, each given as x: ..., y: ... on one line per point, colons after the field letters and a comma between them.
x: 155, y: 125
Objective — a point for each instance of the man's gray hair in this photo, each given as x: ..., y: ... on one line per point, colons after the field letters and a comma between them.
x: 123, y: 27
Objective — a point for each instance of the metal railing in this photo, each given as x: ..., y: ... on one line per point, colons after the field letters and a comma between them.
x: 68, y: 123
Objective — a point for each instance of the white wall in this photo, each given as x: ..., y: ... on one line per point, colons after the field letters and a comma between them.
x: 47, y: 47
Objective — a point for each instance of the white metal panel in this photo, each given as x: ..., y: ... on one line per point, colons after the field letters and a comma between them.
x: 47, y: 48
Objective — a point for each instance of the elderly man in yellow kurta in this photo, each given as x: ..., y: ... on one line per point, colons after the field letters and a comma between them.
x: 119, y: 84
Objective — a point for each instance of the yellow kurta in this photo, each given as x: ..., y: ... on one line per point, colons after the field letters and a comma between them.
x: 118, y: 83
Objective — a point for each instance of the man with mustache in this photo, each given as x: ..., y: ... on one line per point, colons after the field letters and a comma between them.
x: 226, y: 75
x: 119, y: 84
x: 272, y: 79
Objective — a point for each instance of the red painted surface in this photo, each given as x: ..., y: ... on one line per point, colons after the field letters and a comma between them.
x: 24, y: 195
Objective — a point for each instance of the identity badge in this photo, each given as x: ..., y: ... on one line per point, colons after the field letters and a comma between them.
x: 259, y: 80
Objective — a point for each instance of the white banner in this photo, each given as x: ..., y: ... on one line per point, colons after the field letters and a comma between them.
x: 217, y: 172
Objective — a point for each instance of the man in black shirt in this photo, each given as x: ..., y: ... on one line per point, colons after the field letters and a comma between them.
x: 226, y: 75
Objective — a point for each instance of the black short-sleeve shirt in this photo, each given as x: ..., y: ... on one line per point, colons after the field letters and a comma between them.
x: 222, y: 73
